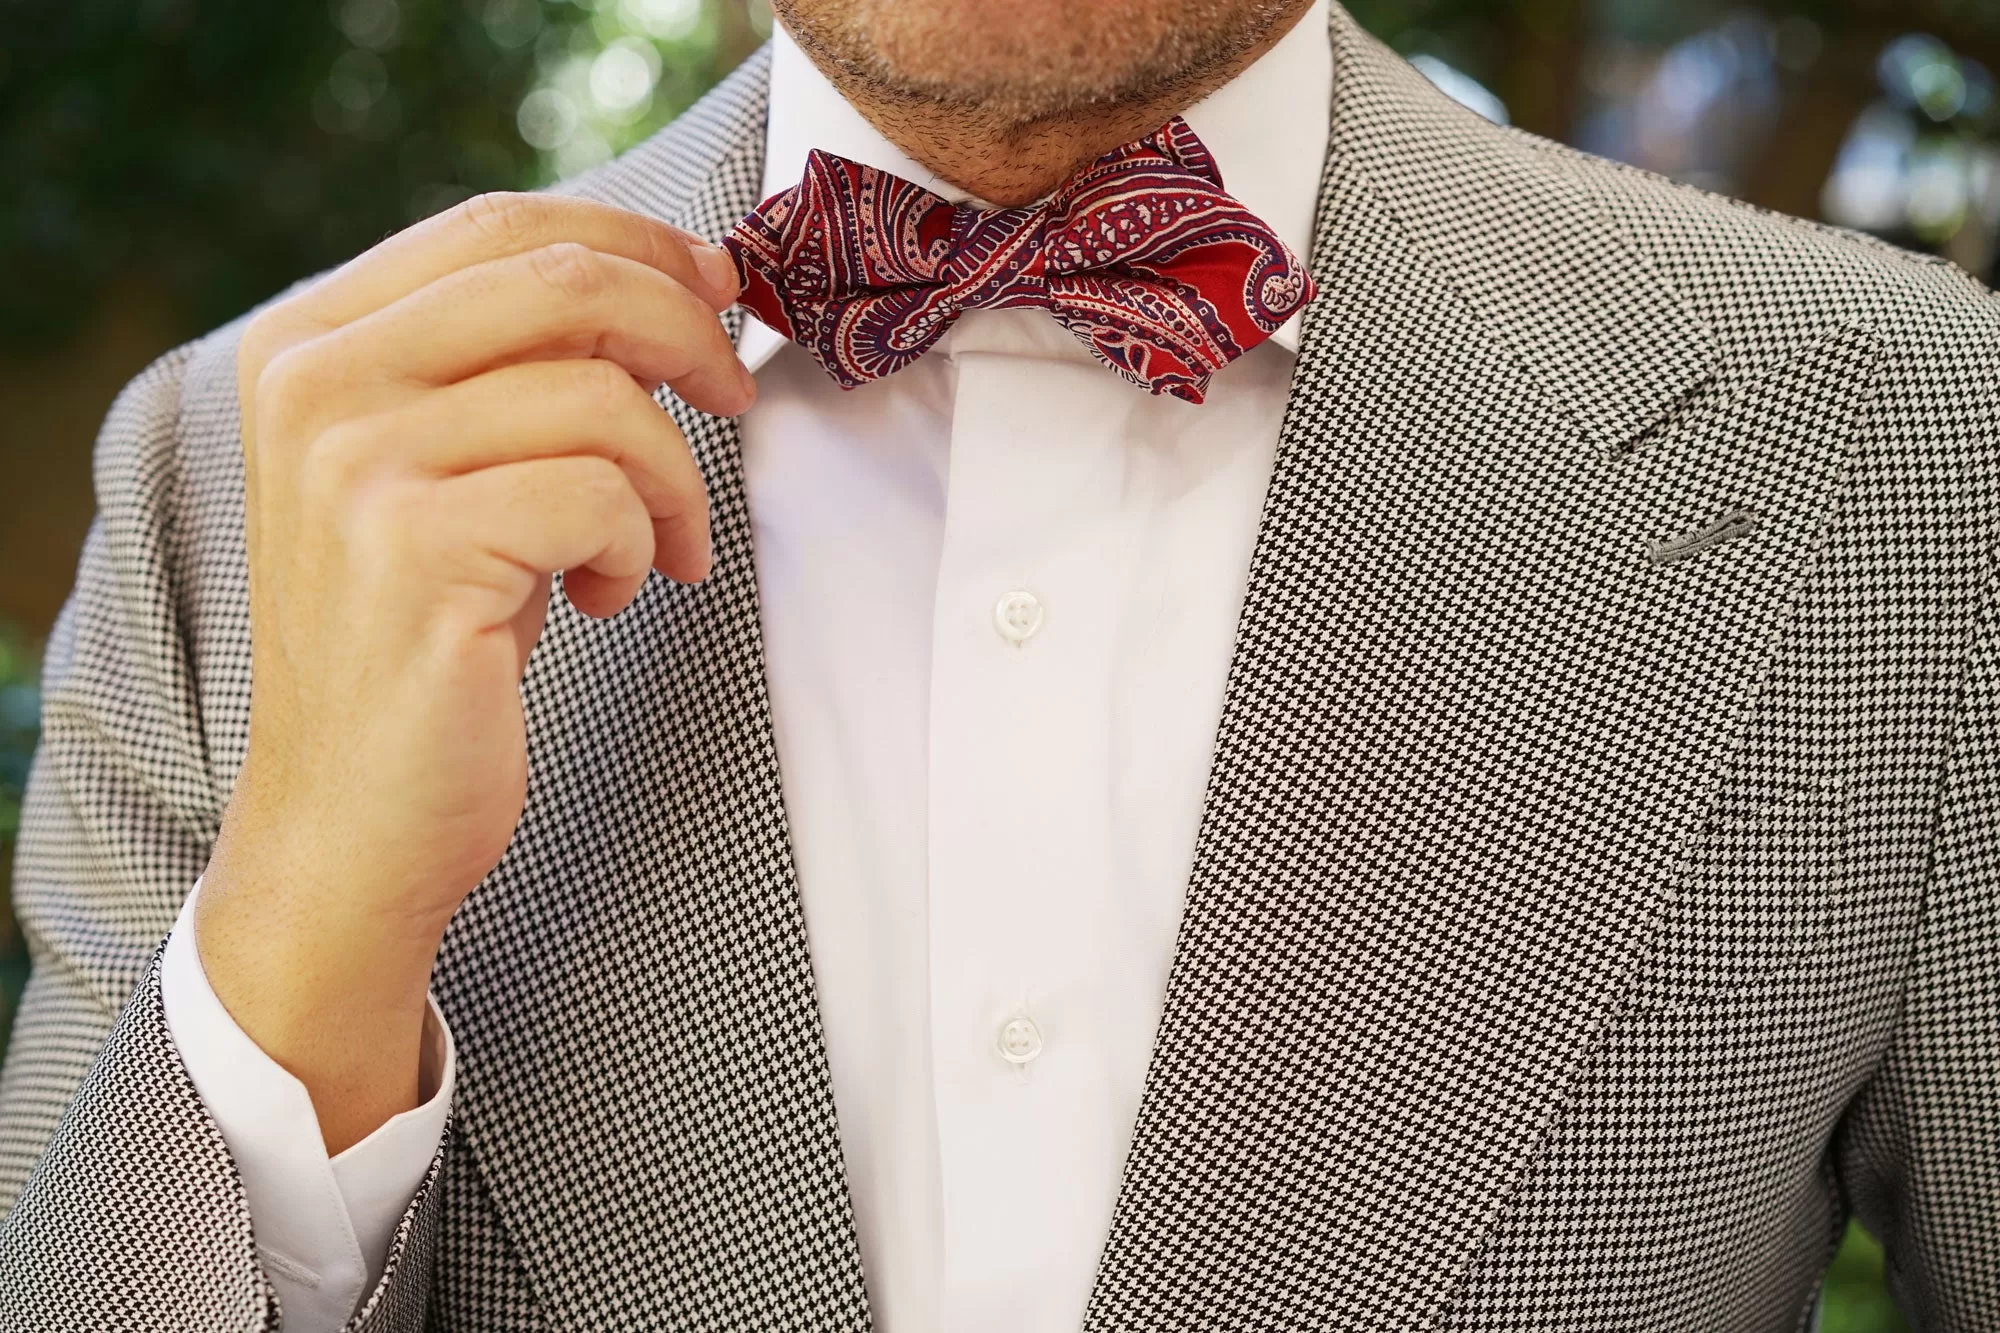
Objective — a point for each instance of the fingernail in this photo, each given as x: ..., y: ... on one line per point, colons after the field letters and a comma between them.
x: 749, y: 381
x: 717, y: 269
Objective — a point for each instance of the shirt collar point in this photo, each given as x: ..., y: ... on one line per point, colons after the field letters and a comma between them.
x: 1288, y: 333
x: 757, y: 343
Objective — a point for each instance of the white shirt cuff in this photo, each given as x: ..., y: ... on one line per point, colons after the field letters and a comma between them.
x: 323, y: 1225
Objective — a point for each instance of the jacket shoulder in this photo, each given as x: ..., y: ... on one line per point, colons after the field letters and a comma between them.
x: 1751, y: 271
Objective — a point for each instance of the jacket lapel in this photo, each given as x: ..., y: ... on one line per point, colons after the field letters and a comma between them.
x: 1471, y: 721
x: 642, y: 1075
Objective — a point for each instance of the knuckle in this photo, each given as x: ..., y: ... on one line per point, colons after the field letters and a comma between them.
x: 339, y: 456
x: 603, y: 387
x: 507, y: 219
x: 602, y: 483
x: 264, y: 338
x: 575, y: 270
x: 385, y: 521
x: 254, y: 348
x: 283, y: 386
x: 694, y: 496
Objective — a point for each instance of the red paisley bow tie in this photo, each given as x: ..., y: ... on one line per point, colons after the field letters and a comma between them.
x: 1141, y: 255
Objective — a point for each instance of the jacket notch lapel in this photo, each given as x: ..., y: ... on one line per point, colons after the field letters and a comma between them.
x: 1572, y: 301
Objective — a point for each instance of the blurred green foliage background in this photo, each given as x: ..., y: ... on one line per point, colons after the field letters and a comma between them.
x: 168, y: 163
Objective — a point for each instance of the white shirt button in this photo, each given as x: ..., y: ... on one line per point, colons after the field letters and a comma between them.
x: 1020, y: 1041
x: 1018, y: 615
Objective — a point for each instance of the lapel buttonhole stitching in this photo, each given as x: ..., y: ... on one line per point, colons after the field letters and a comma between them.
x: 1736, y: 523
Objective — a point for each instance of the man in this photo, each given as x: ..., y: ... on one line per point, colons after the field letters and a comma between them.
x: 1489, y: 820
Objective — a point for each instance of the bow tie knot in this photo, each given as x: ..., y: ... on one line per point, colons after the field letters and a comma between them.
x: 1141, y: 255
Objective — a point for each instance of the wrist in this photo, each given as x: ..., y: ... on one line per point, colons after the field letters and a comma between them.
x: 335, y: 994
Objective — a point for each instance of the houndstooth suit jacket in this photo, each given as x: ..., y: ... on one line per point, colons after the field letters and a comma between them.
x: 1588, y: 914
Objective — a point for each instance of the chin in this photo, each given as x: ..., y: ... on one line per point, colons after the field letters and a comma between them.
x: 1028, y: 54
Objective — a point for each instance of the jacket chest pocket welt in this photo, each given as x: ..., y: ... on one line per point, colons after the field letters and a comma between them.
x: 1753, y: 892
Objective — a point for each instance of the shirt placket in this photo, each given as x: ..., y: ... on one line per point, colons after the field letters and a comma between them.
x: 1021, y: 762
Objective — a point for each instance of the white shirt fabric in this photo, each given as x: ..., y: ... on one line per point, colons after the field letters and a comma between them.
x: 999, y: 594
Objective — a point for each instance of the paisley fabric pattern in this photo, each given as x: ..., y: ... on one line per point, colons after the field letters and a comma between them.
x: 1142, y: 255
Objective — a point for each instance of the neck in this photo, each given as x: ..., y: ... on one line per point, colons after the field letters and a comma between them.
x: 1011, y: 162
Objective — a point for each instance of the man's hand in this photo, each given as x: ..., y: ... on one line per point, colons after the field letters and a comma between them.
x: 429, y: 434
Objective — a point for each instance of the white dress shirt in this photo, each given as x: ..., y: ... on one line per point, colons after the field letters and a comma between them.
x: 999, y: 594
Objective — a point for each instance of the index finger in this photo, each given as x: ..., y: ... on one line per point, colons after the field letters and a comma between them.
x: 497, y: 226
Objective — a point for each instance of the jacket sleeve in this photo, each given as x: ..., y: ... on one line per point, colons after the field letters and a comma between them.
x: 127, y: 1211
x: 1919, y: 1152
x: 135, y: 1217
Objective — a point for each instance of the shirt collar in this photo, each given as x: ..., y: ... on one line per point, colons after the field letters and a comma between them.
x: 1266, y: 130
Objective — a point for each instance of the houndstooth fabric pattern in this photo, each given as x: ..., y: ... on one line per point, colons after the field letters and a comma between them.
x: 136, y: 1144
x: 1588, y: 914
